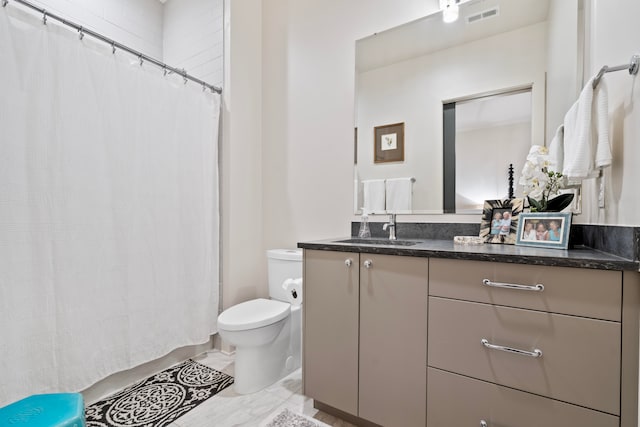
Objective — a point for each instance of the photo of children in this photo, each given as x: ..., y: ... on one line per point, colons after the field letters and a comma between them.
x: 541, y: 231
x: 547, y: 230
x: 529, y: 233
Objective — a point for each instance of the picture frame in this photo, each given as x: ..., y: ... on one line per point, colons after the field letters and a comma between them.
x: 499, y: 223
x: 544, y: 229
x: 388, y: 143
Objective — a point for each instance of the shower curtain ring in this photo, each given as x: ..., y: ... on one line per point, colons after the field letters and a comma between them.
x: 164, y: 70
x: 113, y: 47
x: 141, y: 60
x: 184, y: 75
x: 44, y: 17
x: 204, y: 87
x: 4, y: 2
x: 81, y: 33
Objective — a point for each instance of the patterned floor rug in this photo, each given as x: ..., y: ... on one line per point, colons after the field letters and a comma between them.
x: 287, y: 418
x: 160, y: 399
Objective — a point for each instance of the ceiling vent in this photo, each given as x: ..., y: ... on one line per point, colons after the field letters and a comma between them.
x: 485, y: 14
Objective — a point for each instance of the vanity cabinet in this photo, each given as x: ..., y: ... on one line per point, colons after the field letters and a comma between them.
x: 542, y: 339
x: 414, y: 341
x: 365, y: 335
x: 393, y: 340
x: 331, y: 304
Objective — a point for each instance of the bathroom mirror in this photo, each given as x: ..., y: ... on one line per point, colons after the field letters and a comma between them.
x: 408, y: 74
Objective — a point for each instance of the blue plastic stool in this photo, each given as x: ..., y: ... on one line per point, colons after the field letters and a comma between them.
x: 45, y: 410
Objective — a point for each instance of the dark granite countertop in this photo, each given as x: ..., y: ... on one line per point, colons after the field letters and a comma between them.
x: 579, y: 257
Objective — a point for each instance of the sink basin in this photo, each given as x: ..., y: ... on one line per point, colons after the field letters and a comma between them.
x: 378, y: 242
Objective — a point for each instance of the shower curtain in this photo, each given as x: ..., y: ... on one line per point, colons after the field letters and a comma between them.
x: 108, y: 210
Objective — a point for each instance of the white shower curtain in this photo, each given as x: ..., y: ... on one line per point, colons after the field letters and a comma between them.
x: 108, y: 210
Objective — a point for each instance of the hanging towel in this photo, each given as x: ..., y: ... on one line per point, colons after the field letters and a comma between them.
x: 399, y: 195
x: 556, y: 150
x: 603, y: 147
x: 585, y: 150
x: 373, y: 195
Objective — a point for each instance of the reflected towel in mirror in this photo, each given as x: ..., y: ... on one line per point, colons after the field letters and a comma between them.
x: 373, y: 191
x: 399, y: 195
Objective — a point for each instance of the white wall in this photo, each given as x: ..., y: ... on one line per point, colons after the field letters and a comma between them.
x: 193, y: 38
x: 414, y: 90
x: 614, y: 38
x: 563, y: 83
x: 243, y: 262
x: 137, y: 24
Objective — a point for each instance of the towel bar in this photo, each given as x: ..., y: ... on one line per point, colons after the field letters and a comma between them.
x: 632, y: 66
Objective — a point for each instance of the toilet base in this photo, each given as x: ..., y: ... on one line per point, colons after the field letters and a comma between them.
x: 261, y: 366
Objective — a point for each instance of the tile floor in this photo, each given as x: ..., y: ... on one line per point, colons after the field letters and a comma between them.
x: 228, y: 409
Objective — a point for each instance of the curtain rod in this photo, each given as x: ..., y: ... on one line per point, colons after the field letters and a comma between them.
x: 114, y: 44
x: 632, y: 66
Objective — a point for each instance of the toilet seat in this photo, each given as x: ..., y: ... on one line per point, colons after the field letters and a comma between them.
x: 253, y: 314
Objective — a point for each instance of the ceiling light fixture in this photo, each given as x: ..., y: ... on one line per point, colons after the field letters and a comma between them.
x: 450, y: 10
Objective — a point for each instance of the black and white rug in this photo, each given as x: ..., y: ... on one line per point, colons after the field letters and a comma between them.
x: 160, y: 399
x: 287, y: 418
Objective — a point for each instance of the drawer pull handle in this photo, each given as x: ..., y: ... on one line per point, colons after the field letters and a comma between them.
x: 483, y: 423
x: 368, y: 263
x: 535, y: 353
x: 535, y: 288
x: 348, y: 262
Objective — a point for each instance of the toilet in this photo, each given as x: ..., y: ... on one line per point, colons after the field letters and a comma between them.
x: 267, y: 333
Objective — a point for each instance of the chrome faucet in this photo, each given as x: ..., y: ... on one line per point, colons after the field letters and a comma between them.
x: 391, y: 225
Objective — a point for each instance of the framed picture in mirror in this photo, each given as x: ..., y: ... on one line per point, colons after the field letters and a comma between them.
x: 499, y: 222
x: 388, y: 143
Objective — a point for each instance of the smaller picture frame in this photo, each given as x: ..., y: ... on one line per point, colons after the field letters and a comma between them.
x: 499, y: 223
x: 388, y: 143
x: 544, y: 229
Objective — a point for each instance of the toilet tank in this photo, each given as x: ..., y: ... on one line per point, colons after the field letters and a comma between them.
x: 282, y: 264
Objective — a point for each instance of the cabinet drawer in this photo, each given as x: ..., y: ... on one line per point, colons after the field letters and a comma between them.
x: 454, y: 400
x: 575, y: 291
x: 580, y: 360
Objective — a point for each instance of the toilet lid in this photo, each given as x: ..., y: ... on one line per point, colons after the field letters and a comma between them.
x: 253, y: 314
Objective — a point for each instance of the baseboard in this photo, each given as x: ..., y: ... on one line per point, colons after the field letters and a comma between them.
x: 343, y: 415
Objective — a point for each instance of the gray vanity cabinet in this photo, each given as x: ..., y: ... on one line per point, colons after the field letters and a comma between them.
x: 413, y: 341
x: 365, y: 335
x: 532, y: 345
x: 393, y: 339
x: 330, y: 338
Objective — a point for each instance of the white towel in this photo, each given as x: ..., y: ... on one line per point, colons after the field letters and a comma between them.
x: 583, y: 152
x: 556, y: 150
x: 603, y: 147
x: 399, y: 195
x: 373, y: 195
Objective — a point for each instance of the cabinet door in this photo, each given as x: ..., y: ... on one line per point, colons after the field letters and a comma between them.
x: 393, y: 340
x: 331, y: 328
